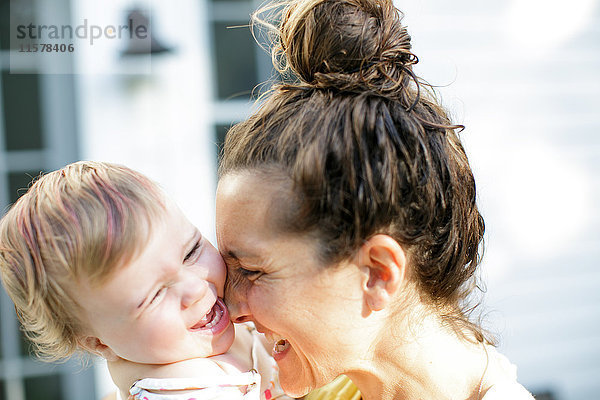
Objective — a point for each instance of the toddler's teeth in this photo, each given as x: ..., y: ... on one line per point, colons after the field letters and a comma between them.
x: 209, y: 320
x: 216, y: 319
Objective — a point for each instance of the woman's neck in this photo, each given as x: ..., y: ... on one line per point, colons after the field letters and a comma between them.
x: 429, y: 363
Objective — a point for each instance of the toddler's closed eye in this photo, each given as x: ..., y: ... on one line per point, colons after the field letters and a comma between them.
x: 158, y: 295
x: 190, y: 256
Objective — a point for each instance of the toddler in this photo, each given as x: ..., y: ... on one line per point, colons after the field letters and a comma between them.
x: 97, y: 258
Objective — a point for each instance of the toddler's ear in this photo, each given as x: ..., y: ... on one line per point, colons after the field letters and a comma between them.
x: 95, y: 346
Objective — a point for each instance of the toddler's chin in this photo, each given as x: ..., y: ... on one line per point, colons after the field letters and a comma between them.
x: 225, y: 341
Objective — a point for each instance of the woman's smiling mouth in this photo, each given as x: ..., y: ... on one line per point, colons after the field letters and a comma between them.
x: 280, y: 349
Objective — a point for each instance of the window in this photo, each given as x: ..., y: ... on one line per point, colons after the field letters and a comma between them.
x: 46, y: 387
x: 22, y: 124
x: 240, y: 65
x: 220, y: 133
x: 37, y: 133
x: 235, y: 58
x: 18, y: 183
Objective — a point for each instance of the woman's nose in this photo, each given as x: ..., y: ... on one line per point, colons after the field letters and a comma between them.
x: 236, y: 301
x: 239, y: 312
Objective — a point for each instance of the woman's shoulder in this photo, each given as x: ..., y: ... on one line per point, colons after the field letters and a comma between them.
x: 504, y: 384
x: 507, y: 390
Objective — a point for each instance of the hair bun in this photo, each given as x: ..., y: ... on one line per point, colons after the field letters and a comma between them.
x: 345, y: 44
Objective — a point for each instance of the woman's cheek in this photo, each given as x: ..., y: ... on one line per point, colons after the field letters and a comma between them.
x: 264, y: 302
x: 254, y: 303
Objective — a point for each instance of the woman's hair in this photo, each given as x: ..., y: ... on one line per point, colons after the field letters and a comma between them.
x: 82, y: 221
x: 366, y: 146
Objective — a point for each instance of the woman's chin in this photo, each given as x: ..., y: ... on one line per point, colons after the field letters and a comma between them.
x: 292, y: 379
x: 294, y: 388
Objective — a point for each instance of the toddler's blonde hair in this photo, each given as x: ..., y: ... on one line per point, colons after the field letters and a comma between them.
x: 82, y: 221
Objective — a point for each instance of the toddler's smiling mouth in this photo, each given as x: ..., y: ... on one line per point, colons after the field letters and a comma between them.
x: 215, y: 321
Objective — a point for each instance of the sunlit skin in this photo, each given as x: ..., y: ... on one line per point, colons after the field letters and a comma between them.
x: 278, y: 282
x: 361, y: 317
x: 150, y: 310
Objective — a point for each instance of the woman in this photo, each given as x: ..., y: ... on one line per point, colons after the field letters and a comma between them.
x: 346, y: 214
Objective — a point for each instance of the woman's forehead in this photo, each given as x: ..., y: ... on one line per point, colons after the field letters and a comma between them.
x: 247, y: 204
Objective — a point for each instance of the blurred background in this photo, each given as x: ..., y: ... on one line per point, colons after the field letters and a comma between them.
x: 522, y: 75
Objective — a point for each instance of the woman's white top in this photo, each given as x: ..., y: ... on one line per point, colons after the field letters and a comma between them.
x: 507, y: 387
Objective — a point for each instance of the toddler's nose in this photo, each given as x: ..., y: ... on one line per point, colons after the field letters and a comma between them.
x: 193, y: 290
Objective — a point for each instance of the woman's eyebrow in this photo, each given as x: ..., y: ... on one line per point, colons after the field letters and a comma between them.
x: 229, y: 256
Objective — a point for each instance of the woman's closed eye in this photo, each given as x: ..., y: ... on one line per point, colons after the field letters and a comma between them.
x: 248, y: 273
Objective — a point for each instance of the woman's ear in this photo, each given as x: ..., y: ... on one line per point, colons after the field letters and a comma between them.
x: 385, y: 261
x: 95, y: 346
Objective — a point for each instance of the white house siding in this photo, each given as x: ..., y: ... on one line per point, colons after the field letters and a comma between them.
x: 522, y: 75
